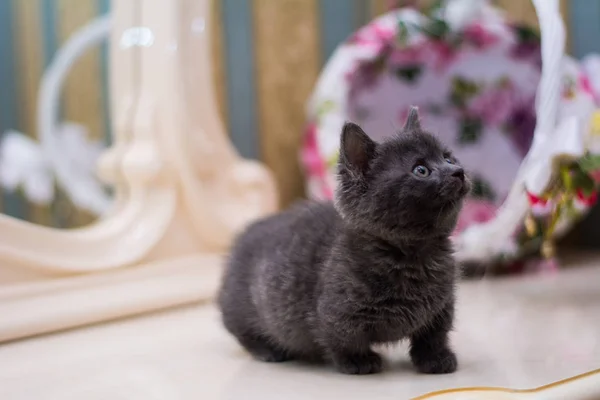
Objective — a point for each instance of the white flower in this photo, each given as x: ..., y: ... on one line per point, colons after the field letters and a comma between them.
x: 460, y: 13
x: 81, y: 152
x: 23, y: 164
x: 590, y: 64
x: 79, y: 168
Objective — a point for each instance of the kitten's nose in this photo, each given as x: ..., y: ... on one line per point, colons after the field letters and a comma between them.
x: 459, y: 173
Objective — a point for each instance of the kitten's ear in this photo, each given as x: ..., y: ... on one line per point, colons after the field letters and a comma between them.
x: 357, y: 148
x: 412, y: 121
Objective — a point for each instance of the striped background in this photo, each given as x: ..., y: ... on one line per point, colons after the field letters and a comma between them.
x: 267, y: 56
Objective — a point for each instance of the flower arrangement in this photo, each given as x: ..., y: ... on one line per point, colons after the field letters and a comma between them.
x: 573, y: 190
x: 439, y: 59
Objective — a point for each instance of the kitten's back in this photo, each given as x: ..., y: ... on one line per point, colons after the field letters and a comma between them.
x: 304, y: 229
x: 271, y: 281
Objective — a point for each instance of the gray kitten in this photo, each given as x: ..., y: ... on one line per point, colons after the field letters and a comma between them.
x: 326, y: 282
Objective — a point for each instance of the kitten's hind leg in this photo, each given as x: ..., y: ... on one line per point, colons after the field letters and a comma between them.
x: 261, y: 349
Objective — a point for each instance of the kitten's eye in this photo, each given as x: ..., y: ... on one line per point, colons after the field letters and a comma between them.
x: 449, y: 160
x: 421, y: 170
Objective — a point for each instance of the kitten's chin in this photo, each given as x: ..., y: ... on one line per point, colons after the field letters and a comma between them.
x: 456, y: 193
x: 465, y: 188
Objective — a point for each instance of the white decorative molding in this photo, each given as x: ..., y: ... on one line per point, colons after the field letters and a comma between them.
x: 182, y: 191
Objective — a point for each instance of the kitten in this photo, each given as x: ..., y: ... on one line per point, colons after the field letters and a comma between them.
x: 326, y: 282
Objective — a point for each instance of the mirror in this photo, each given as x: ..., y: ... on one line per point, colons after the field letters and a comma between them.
x: 56, y: 114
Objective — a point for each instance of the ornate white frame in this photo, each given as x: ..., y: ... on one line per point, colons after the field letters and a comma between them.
x: 181, y: 189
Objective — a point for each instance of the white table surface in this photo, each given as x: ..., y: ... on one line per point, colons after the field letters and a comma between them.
x: 519, y: 333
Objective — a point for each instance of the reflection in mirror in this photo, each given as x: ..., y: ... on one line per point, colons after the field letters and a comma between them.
x: 57, y: 116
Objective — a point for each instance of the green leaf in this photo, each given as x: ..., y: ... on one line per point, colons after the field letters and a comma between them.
x: 434, y: 8
x: 570, y: 210
x: 436, y: 28
x: 482, y: 190
x: 409, y: 73
x: 567, y: 179
x: 325, y: 107
x: 582, y: 181
x: 470, y: 130
x: 526, y: 33
x: 462, y: 90
x: 333, y: 160
x: 402, y: 36
x: 590, y: 162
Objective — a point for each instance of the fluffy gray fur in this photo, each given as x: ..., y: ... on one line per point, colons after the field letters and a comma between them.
x: 326, y: 282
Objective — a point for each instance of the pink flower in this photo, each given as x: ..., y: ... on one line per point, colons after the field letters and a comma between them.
x: 587, y: 88
x: 406, y: 56
x: 539, y: 205
x: 595, y: 175
x: 527, y: 50
x: 494, y: 105
x: 438, y: 54
x: 583, y: 201
x: 543, y: 266
x: 312, y: 160
x: 480, y: 37
x: 310, y: 154
x: 363, y: 75
x: 521, y: 124
x: 373, y: 36
x: 585, y: 84
x: 475, y: 211
x: 535, y: 199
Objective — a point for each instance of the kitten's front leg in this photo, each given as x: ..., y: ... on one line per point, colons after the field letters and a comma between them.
x: 347, y: 346
x: 355, y: 358
x: 430, y: 351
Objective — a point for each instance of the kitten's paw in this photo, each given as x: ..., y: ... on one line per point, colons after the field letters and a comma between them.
x: 270, y: 355
x: 441, y: 362
x: 359, y: 364
x: 262, y: 350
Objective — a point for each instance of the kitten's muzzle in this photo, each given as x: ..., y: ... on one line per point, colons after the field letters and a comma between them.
x: 457, y: 184
x: 459, y: 174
